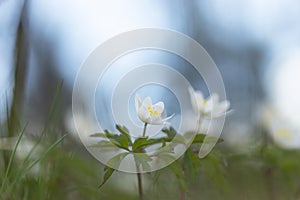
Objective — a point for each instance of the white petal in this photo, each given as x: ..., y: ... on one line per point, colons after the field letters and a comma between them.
x: 138, y: 102
x: 200, y: 101
x: 155, y: 120
x: 148, y: 120
x: 143, y: 114
x: 196, y: 99
x: 159, y: 107
x: 167, y: 118
x: 221, y: 109
x: 229, y: 112
x: 223, y: 106
x: 209, y: 106
x: 211, y: 102
x: 193, y: 99
x: 191, y: 91
x: 147, y: 102
x: 214, y: 98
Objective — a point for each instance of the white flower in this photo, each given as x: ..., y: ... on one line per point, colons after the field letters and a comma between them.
x: 210, y: 107
x: 148, y: 113
x: 284, y: 132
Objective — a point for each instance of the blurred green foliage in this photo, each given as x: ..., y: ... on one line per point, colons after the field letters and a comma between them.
x: 63, y: 169
x: 266, y: 172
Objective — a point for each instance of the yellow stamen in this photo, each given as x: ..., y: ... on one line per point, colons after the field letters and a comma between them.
x: 204, y: 102
x: 283, y: 134
x: 153, y: 112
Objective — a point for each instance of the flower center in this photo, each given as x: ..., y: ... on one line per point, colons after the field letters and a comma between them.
x: 283, y: 134
x: 204, y: 102
x: 153, y: 112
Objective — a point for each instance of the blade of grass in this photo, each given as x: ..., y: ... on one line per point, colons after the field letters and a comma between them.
x: 7, y: 115
x: 53, y: 106
x: 11, y: 159
x: 8, y: 132
x: 13, y: 121
x: 42, y: 156
x: 49, y: 117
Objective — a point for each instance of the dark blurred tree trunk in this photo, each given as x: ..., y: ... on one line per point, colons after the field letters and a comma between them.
x: 14, y: 122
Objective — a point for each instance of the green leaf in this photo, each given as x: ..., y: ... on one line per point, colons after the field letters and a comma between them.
x: 141, y: 142
x: 179, y: 139
x: 105, y: 145
x: 109, y: 134
x: 102, y: 135
x: 166, y: 154
x: 108, y: 172
x: 113, y: 164
x: 115, y: 161
x: 118, y: 140
x: 125, y: 132
x: 143, y: 159
x: 173, y: 136
x: 216, y: 163
x: 138, y: 143
x: 171, y: 132
x: 179, y: 173
x: 163, y: 143
x: 191, y: 163
x: 202, y: 138
x: 145, y: 141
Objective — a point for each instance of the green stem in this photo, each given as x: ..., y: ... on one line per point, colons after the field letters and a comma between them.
x: 182, y: 195
x: 139, y: 175
x: 140, y: 183
x: 144, y: 131
x: 199, y: 124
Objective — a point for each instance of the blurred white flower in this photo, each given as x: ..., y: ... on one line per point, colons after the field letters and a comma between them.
x: 26, y: 149
x: 284, y: 133
x: 84, y: 124
x: 210, y: 107
x: 148, y: 113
